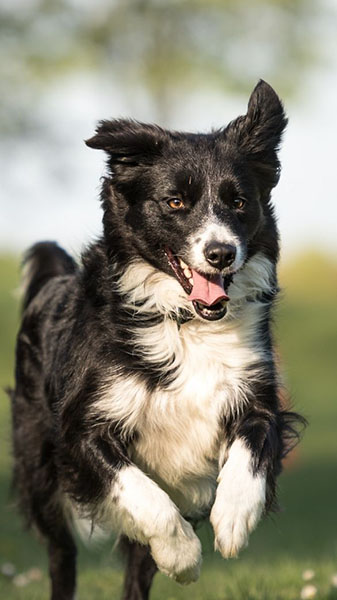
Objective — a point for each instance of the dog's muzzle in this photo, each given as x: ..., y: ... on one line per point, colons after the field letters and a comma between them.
x: 208, y: 294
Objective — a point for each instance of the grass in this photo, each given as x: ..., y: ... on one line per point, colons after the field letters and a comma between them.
x: 302, y: 536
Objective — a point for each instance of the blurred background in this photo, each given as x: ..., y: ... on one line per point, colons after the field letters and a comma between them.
x: 191, y: 65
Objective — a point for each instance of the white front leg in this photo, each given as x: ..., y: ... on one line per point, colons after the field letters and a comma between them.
x: 141, y: 510
x: 239, y: 503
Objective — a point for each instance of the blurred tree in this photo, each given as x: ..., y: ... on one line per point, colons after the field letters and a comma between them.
x: 165, y: 46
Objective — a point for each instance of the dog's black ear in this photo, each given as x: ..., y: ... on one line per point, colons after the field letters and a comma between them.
x: 129, y: 142
x: 258, y: 134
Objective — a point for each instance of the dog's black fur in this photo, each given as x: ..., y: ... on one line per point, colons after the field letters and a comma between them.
x: 76, y: 327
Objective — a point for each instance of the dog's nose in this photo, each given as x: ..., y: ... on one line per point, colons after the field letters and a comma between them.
x: 220, y: 255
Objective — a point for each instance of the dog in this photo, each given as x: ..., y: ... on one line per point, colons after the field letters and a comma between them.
x: 147, y: 393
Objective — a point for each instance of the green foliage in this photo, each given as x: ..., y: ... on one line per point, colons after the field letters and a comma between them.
x: 166, y: 47
x: 302, y: 536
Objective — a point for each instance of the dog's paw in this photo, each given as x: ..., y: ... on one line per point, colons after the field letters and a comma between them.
x: 178, y: 555
x: 239, y: 503
x: 232, y: 526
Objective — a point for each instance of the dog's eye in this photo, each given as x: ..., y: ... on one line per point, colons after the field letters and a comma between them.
x: 175, y: 203
x: 239, y: 203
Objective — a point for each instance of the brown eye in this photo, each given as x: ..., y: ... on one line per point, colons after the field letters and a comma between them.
x: 175, y: 203
x: 239, y: 203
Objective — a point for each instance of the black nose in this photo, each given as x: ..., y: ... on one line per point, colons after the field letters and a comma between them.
x: 220, y: 255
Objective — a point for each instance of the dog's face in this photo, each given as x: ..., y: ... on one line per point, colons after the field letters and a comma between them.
x: 194, y: 205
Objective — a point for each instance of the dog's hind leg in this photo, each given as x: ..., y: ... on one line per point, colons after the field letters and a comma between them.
x: 62, y: 568
x: 39, y: 495
x: 140, y: 570
x: 49, y: 518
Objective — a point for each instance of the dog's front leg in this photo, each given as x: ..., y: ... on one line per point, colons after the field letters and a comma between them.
x: 246, y: 482
x: 141, y: 510
x: 124, y: 499
x: 239, y: 502
x: 100, y: 477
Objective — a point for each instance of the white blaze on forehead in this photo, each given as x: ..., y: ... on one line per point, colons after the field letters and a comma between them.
x: 213, y: 231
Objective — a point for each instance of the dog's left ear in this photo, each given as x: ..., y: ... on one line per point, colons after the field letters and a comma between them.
x: 128, y: 142
x: 258, y: 134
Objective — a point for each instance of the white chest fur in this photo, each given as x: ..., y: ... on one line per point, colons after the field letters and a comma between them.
x: 178, y: 426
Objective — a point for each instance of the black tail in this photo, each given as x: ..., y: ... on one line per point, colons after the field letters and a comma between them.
x: 41, y: 262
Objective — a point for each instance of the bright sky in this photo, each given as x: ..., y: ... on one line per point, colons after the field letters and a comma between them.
x: 54, y: 195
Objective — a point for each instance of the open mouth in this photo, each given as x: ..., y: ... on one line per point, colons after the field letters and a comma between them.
x: 208, y: 294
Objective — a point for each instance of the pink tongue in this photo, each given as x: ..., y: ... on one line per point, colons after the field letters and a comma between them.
x: 207, y: 291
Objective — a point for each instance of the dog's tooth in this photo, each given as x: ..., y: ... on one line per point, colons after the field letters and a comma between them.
x: 187, y: 272
x: 182, y: 264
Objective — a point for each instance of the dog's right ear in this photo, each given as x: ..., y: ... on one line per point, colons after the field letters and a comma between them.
x: 129, y: 142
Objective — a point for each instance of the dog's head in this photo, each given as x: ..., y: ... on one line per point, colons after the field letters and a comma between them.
x: 195, y: 206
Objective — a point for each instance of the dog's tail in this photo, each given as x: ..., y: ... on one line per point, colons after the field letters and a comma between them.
x: 41, y: 262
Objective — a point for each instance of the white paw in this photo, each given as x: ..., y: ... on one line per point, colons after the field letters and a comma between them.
x: 178, y: 555
x: 233, y: 518
x: 239, y: 503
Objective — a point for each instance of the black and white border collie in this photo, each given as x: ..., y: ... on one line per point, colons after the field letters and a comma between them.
x: 147, y: 397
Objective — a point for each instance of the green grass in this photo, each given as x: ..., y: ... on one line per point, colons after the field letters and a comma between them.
x: 302, y: 536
